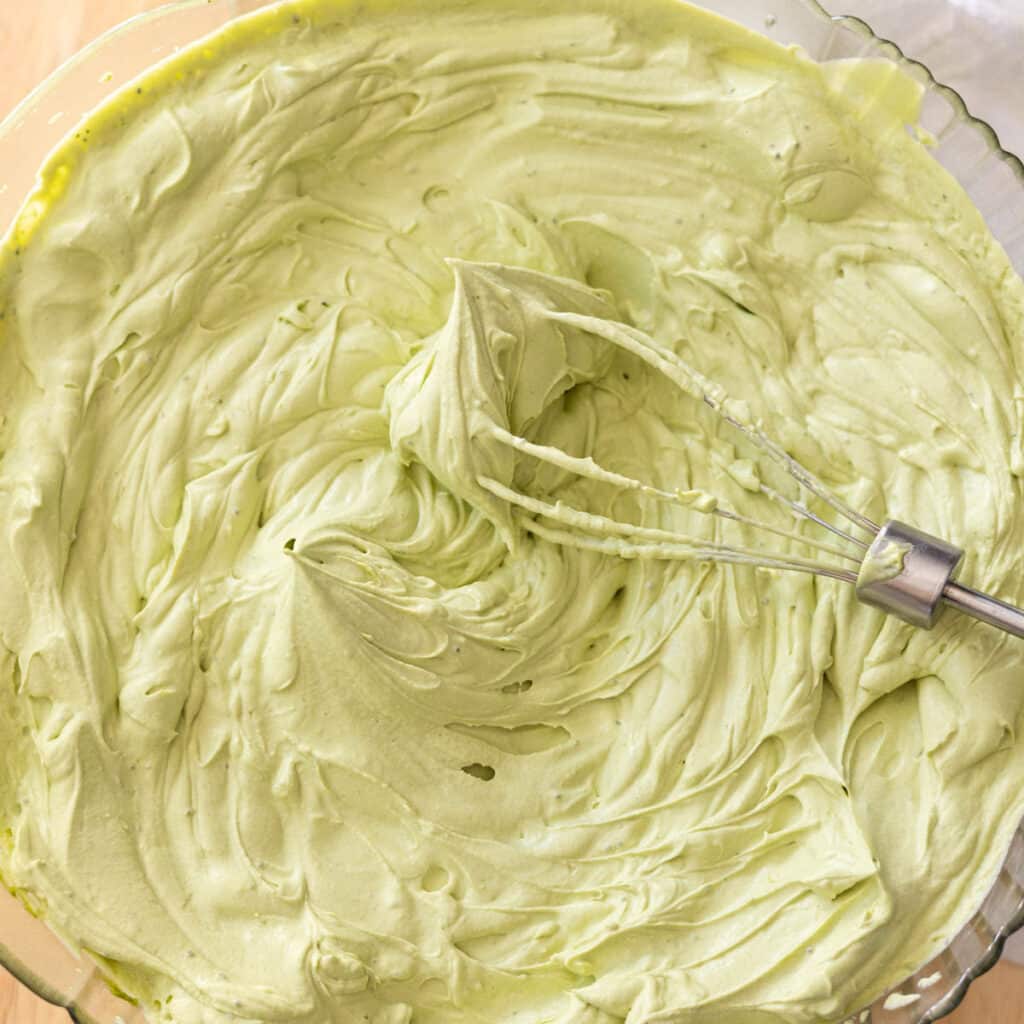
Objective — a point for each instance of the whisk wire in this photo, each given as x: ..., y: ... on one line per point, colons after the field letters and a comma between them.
x: 800, y: 510
x: 591, y: 469
x: 695, y: 384
x: 661, y: 544
x: 662, y: 552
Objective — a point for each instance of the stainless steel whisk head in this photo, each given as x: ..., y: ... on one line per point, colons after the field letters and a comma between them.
x: 896, y: 568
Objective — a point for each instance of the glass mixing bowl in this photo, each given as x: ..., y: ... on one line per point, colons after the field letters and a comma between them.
x: 967, y: 147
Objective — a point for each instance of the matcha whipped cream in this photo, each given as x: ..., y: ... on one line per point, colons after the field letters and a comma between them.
x: 307, y: 717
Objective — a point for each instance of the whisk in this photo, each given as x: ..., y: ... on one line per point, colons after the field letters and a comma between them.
x: 894, y: 567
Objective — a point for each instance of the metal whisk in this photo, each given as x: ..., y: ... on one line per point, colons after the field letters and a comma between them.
x: 897, y: 568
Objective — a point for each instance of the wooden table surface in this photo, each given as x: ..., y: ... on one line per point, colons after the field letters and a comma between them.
x: 34, y: 38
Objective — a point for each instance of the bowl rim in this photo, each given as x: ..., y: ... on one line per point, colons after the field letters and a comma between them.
x: 24, y: 107
x: 921, y: 70
x: 878, y: 1012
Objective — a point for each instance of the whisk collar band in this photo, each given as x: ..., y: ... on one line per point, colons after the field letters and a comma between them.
x: 906, y: 571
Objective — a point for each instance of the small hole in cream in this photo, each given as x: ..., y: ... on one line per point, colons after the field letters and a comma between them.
x: 435, y: 879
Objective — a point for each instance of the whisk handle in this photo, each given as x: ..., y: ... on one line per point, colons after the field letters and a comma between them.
x: 988, y: 609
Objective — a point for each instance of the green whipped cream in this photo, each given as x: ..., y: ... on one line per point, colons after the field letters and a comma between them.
x: 308, y: 717
x: 883, y: 562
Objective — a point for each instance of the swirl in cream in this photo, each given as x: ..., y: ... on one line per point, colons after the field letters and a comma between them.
x: 304, y: 720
